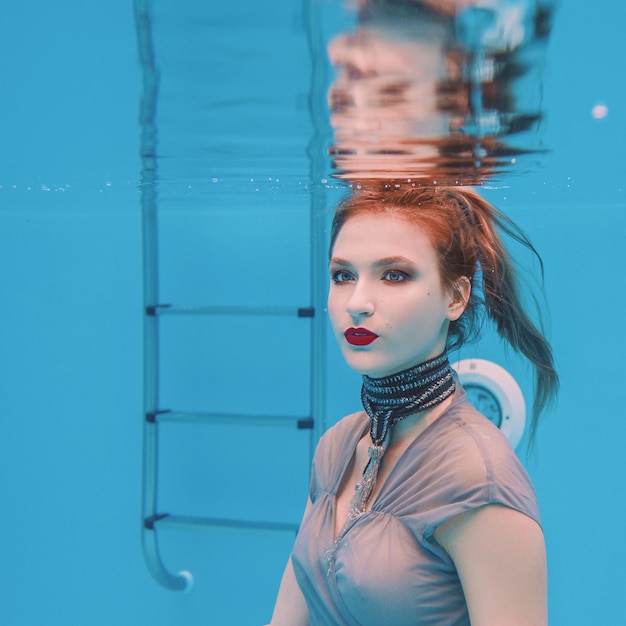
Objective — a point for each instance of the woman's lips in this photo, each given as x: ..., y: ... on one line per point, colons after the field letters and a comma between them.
x: 359, y: 336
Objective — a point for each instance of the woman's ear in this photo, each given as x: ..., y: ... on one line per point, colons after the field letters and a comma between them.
x: 459, y: 297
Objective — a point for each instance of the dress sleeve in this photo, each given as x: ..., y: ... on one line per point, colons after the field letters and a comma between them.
x: 471, y: 464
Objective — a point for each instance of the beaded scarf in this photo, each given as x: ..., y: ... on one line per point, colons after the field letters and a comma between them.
x: 387, y: 401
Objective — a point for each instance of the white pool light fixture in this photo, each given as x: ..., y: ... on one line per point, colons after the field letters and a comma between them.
x: 496, y: 394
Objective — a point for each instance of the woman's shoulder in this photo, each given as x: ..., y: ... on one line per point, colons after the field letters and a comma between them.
x: 347, y: 431
x: 358, y: 419
x: 474, y: 464
x: 463, y: 428
x: 468, y: 445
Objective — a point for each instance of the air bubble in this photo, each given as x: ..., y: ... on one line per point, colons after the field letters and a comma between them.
x: 599, y: 111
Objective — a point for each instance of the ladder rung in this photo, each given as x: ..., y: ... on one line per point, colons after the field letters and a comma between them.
x: 275, y: 311
x: 303, y: 423
x: 178, y: 521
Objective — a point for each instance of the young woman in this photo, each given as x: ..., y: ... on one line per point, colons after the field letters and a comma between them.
x: 442, y: 527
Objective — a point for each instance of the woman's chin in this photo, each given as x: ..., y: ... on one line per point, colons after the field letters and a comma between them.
x: 367, y: 364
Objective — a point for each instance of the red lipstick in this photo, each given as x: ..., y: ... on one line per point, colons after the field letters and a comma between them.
x: 359, y: 336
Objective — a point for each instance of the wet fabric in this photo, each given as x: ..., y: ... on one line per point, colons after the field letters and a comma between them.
x: 388, y: 569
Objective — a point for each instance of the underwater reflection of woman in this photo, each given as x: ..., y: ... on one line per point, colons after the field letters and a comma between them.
x: 443, y: 526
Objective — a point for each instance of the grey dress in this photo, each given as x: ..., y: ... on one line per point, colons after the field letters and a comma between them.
x: 388, y: 568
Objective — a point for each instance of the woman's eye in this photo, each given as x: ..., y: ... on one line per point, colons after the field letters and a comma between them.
x: 394, y: 277
x: 341, y: 276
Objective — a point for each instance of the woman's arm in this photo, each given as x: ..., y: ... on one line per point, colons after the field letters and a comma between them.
x: 500, y: 556
x: 290, y: 608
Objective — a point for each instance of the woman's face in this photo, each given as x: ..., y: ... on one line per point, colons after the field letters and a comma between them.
x: 387, y: 306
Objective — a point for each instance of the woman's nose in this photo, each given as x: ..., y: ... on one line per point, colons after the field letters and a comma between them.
x: 360, y: 303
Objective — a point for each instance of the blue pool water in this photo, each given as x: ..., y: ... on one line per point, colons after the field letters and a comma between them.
x: 237, y: 78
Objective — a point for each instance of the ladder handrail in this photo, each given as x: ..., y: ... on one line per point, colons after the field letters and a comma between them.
x: 147, y: 119
x: 316, y: 151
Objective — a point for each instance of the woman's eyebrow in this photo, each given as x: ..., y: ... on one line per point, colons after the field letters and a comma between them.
x: 392, y: 260
x: 340, y: 262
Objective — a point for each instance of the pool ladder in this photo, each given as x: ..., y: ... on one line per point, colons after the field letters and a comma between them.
x: 153, y: 520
